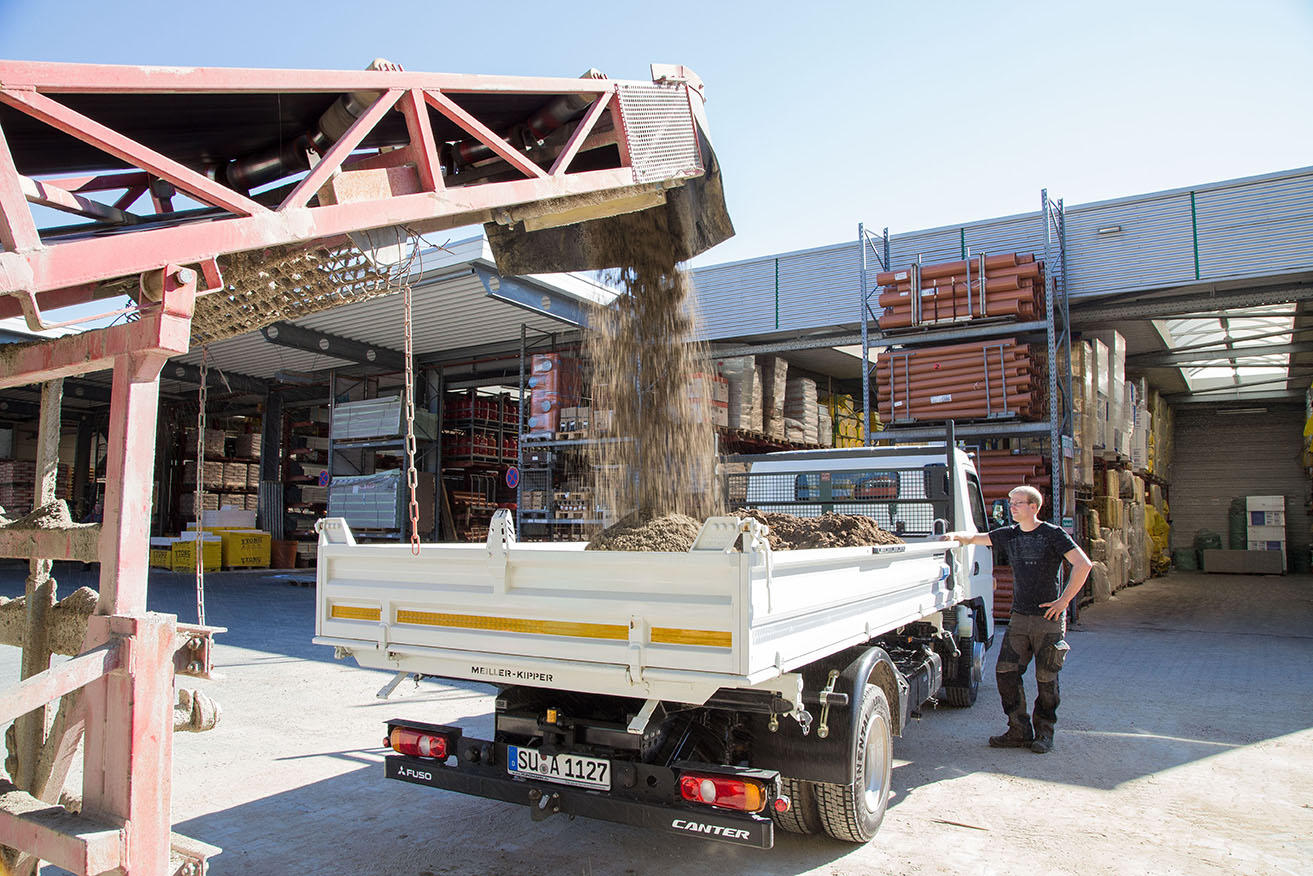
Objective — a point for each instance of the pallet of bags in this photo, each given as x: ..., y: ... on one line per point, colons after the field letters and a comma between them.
x: 774, y: 385
x: 743, y: 398
x: 800, y: 407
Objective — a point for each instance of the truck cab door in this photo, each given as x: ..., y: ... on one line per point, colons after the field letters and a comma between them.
x: 980, y: 560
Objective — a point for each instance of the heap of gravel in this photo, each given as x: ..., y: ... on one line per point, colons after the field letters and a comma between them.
x: 675, y: 533
x: 788, y: 532
x: 646, y: 531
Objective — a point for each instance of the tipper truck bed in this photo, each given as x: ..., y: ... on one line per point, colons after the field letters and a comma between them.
x: 723, y: 691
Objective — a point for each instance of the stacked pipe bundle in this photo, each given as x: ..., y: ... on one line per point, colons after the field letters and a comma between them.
x: 979, y: 379
x: 554, y: 383
x: 1012, y: 286
x: 1003, y: 470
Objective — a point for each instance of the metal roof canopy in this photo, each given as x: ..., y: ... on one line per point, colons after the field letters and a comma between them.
x: 461, y: 306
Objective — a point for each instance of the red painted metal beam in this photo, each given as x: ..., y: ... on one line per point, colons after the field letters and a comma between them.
x: 75, y: 843
x: 338, y: 152
x: 483, y: 133
x: 423, y: 148
x: 161, y: 331
x: 49, y: 194
x: 17, y: 230
x: 580, y: 135
x: 129, y: 738
x: 86, y: 261
x: 56, y: 77
x: 60, y: 679
x: 88, y: 130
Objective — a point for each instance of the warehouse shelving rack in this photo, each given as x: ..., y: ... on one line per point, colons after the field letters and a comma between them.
x: 1055, y: 328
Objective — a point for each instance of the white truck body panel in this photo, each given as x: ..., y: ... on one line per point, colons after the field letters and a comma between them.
x: 666, y: 626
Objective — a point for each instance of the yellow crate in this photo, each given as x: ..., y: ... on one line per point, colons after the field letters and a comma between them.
x: 245, y: 548
x: 183, y: 554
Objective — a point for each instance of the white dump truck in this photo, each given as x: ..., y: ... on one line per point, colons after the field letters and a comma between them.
x: 720, y: 692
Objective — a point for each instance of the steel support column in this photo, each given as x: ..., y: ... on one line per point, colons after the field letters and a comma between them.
x: 30, y: 728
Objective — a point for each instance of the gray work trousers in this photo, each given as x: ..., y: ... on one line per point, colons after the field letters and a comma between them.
x: 1031, y: 636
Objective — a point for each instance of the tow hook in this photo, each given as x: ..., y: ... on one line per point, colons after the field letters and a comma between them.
x: 823, y: 729
x: 543, y: 806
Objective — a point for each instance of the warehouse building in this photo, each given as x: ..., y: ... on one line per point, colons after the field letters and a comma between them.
x: 1182, y: 313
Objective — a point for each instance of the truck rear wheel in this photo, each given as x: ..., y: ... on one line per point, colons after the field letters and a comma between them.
x: 853, y: 812
x: 802, y: 816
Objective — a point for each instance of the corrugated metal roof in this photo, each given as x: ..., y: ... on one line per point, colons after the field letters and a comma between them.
x: 818, y: 289
x: 736, y: 299
x: 1152, y: 246
x: 1260, y: 227
x: 1250, y: 227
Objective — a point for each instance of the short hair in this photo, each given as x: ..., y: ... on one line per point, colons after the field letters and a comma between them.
x: 1033, y: 496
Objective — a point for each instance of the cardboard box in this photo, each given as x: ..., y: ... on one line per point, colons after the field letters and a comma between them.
x: 1266, y: 533
x: 1265, y: 503
x: 1267, y: 518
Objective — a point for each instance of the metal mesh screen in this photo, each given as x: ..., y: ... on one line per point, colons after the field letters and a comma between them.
x: 905, y: 501
x: 659, y: 128
x: 266, y: 286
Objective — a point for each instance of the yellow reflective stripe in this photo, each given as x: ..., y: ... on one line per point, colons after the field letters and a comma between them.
x: 355, y: 612
x: 673, y: 636
x: 514, y: 625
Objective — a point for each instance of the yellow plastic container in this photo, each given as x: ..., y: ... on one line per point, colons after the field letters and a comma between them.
x: 183, y: 553
x: 161, y: 553
x: 245, y: 548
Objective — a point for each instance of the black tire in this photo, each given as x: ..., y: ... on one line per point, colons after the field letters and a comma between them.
x: 965, y: 687
x: 802, y: 816
x: 853, y: 813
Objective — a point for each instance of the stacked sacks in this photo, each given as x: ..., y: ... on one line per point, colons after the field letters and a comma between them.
x: 743, y: 376
x: 775, y: 376
x: 800, y: 410
x: 824, y: 426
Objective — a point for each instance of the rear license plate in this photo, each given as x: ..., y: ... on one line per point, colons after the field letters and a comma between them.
x: 563, y: 769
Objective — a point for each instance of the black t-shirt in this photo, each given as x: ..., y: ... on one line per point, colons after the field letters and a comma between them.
x: 1036, y: 559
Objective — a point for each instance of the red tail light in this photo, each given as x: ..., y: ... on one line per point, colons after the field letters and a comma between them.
x: 417, y: 744
x: 723, y: 792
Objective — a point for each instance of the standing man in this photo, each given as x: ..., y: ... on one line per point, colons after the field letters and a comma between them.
x: 1038, y: 624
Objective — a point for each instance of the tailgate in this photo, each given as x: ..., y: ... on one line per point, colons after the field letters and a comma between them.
x: 513, y: 612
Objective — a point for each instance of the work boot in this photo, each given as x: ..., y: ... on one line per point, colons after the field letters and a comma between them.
x: 1042, y: 744
x: 1014, y: 738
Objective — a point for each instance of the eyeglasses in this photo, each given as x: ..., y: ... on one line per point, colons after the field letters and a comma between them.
x: 1018, y: 504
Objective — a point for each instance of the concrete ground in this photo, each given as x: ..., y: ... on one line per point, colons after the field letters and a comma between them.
x: 1185, y: 745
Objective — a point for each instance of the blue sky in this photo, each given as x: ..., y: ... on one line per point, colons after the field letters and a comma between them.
x: 909, y: 115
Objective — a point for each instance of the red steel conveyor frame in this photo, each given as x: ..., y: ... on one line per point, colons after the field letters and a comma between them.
x: 125, y: 675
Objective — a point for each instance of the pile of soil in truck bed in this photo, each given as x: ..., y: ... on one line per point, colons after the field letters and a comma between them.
x: 675, y: 533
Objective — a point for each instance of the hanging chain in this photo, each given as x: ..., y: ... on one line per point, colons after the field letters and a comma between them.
x: 412, y: 475
x: 202, y: 396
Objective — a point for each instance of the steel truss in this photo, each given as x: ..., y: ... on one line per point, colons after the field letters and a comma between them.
x: 428, y: 151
